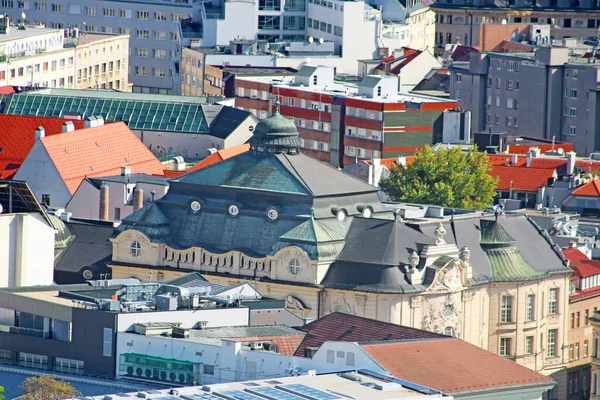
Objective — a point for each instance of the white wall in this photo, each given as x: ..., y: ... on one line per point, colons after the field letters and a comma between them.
x: 39, y: 172
x: 85, y: 202
x: 242, y: 133
x: 188, y: 318
x: 27, y: 256
x: 191, y: 146
x: 414, y: 72
x: 241, y: 21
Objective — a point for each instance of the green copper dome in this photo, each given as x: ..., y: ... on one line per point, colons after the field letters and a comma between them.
x: 276, y: 134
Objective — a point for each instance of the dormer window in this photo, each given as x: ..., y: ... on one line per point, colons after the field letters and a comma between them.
x: 136, y: 249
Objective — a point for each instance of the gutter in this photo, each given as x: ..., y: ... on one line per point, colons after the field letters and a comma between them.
x: 503, y: 389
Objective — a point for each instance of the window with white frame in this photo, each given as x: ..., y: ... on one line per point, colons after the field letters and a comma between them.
x: 552, y: 336
x: 553, y: 301
x: 530, y: 308
x: 529, y: 345
x: 361, y: 152
x: 572, y: 130
x: 509, y: 84
x: 506, y: 308
x: 505, y: 344
x: 324, y: 146
x: 572, y: 112
x: 351, y: 150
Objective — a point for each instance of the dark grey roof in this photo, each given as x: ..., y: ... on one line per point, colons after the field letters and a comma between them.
x: 149, y: 220
x: 211, y: 111
x: 437, y: 81
x: 90, y: 248
x: 306, y: 71
x: 370, y: 81
x: 226, y: 121
x: 132, y: 178
x: 376, y: 251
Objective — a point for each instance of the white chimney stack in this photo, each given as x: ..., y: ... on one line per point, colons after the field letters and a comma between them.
x: 39, y: 133
x: 68, y: 126
x: 515, y: 159
x: 571, y: 159
x: 125, y: 171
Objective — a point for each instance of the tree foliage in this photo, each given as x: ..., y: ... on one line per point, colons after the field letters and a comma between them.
x: 1, y: 392
x: 449, y: 178
x: 46, y: 387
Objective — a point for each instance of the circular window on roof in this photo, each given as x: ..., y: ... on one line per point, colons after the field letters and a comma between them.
x: 341, y: 215
x: 251, y: 128
x: 87, y: 274
x: 367, y: 212
x: 448, y: 310
x: 195, y: 206
x: 234, y: 210
x: 272, y: 214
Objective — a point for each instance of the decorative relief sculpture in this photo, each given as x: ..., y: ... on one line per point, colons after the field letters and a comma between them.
x: 464, y: 255
x: 448, y: 279
x: 440, y: 232
x: 443, y: 315
x: 296, y: 306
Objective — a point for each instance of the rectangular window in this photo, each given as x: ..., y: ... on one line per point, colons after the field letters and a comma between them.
x: 530, y: 313
x: 144, y: 15
x: 125, y: 14
x: 458, y: 78
x: 552, y: 336
x: 160, y: 16
x: 109, y: 12
x: 585, y: 349
x: 505, y: 346
x: 330, y: 356
x: 529, y: 345
x: 577, y: 351
x: 509, y: 84
x: 58, y: 8
x: 572, y: 112
x: 141, y: 52
x: 90, y: 10
x: 506, y: 309
x: 498, y: 83
x: 142, y: 33
x: 578, y: 319
x: 107, y: 342
x: 268, y: 22
x: 553, y: 301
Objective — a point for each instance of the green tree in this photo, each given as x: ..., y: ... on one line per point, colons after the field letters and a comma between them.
x: 1, y: 392
x: 449, y: 178
x: 46, y: 387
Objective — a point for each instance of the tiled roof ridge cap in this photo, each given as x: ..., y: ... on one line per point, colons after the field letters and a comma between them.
x: 399, y: 341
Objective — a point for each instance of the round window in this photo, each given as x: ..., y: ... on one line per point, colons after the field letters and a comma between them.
x: 136, y: 248
x: 234, y: 210
x: 448, y: 310
x: 295, y: 266
x: 87, y: 274
x: 272, y: 214
x: 341, y: 215
x: 195, y: 206
x: 368, y: 212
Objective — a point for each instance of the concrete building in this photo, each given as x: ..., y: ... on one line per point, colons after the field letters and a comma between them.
x: 541, y: 94
x: 73, y: 329
x: 408, y: 65
x: 435, y: 24
x: 41, y: 57
x: 169, y: 126
x: 341, y: 122
x: 27, y: 238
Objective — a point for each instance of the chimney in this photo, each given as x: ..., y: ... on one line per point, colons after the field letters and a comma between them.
x: 138, y: 199
x: 103, y: 211
x: 572, y: 244
x: 39, y: 133
x: 99, y: 120
x: 401, y: 160
x: 531, y: 154
x: 514, y: 159
x: 571, y: 158
x: 68, y: 126
x: 90, y: 122
x: 125, y: 171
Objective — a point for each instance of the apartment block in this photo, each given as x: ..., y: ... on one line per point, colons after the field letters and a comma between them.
x: 42, y: 57
x: 544, y: 94
x: 339, y: 123
x: 439, y: 22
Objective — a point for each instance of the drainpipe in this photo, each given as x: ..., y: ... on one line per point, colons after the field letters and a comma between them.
x: 470, y: 29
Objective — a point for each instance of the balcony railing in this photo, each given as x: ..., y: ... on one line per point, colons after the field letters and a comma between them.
x: 17, y: 330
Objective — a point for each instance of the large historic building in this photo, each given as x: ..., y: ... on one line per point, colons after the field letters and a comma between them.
x: 302, y: 230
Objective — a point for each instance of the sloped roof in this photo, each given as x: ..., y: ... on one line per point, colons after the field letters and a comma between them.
x: 352, y: 328
x: 149, y: 220
x: 318, y: 240
x: 524, y: 179
x: 452, y: 366
x: 524, y: 148
x: 306, y: 71
x: 17, y: 138
x: 99, y: 151
x: 397, y: 63
x: 437, y: 81
x: 581, y: 265
x: 219, y: 156
x: 226, y: 121
x: 590, y: 189
x: 462, y: 53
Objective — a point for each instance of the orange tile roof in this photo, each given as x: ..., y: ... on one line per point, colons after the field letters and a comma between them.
x: 590, y: 189
x: 170, y: 173
x: 387, y: 162
x: 524, y: 148
x: 7, y: 90
x: 286, y: 344
x: 100, y: 151
x: 17, y: 137
x: 523, y: 179
x: 451, y: 365
x: 581, y: 265
x: 219, y: 156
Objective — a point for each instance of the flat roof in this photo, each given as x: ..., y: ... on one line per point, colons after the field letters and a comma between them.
x: 29, y: 31
x: 328, y: 386
x: 113, y: 95
x: 349, y: 90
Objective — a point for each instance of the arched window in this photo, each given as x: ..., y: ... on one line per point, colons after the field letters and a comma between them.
x: 449, y: 331
x: 342, y: 308
x: 295, y: 266
x: 136, y: 248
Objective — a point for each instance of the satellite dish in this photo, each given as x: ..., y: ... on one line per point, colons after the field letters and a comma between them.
x: 23, y: 15
x: 504, y: 21
x: 321, y: 40
x: 311, y: 39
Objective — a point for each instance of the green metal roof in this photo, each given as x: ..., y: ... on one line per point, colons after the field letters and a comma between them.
x: 149, y: 220
x: 152, y: 112
x: 493, y: 233
x: 249, y: 172
x: 312, y: 231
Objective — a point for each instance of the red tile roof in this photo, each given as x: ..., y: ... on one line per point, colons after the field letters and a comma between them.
x: 462, y: 53
x: 451, y: 365
x: 286, y: 344
x: 523, y: 179
x: 7, y: 90
x: 17, y: 137
x: 590, y: 189
x: 400, y: 61
x: 351, y: 328
x: 219, y: 156
x: 524, y: 148
x: 99, y: 151
x: 581, y: 265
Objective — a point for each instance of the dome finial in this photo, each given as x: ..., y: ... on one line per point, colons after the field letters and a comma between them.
x: 277, y: 104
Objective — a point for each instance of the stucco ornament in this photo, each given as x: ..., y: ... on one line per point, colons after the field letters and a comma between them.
x: 448, y: 279
x: 440, y: 232
x: 413, y: 260
x: 287, y: 259
x: 464, y: 255
x: 296, y: 306
x: 340, y: 305
x: 442, y: 312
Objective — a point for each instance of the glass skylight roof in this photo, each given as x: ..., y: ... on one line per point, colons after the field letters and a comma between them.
x: 138, y: 114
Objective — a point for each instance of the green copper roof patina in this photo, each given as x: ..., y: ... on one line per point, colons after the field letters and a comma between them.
x: 63, y: 236
x: 507, y: 263
x: 276, y: 134
x: 149, y: 220
x: 319, y: 241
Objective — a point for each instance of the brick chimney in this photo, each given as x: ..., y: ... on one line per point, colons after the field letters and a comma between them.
x: 103, y: 209
x: 138, y: 199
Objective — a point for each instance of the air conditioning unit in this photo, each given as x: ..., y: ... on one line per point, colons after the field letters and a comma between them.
x: 256, y: 345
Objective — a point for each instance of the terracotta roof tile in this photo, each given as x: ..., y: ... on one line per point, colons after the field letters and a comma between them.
x: 7, y: 90
x: 17, y: 137
x: 219, y: 156
x: 590, y: 189
x: 351, y: 328
x: 451, y: 365
x: 99, y: 151
x: 581, y: 265
x: 524, y: 148
x: 524, y: 179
